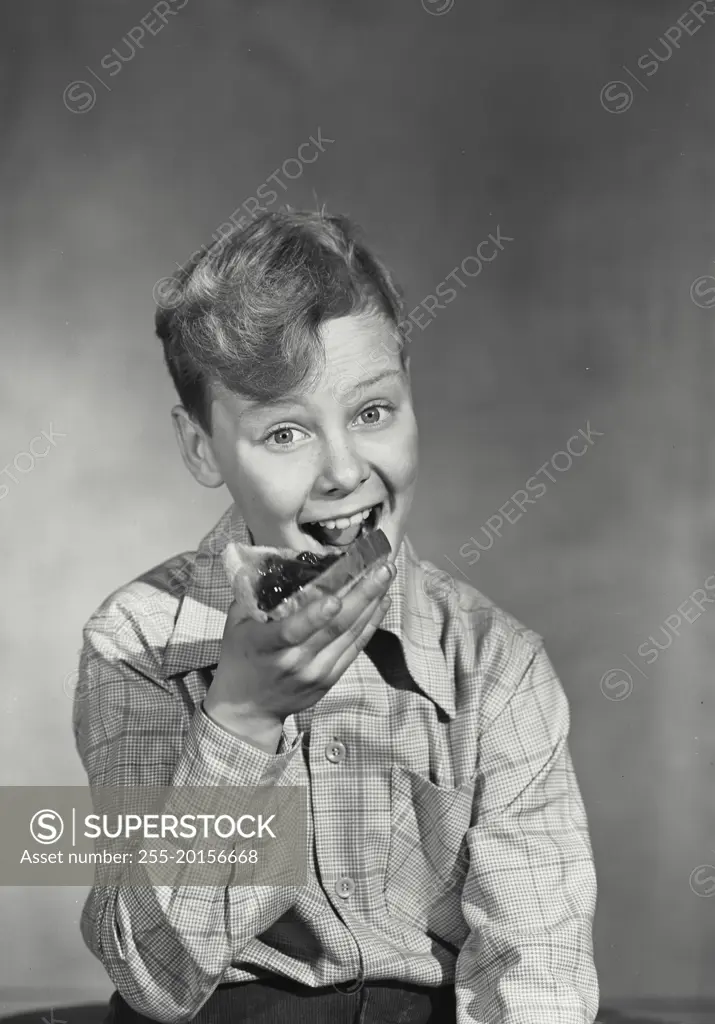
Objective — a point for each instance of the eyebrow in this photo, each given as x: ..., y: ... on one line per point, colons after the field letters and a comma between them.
x: 295, y: 398
x: 369, y: 381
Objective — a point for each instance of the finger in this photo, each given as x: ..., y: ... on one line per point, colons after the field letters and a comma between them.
x: 319, y: 619
x: 342, y: 626
x: 332, y: 661
x: 364, y: 629
x: 361, y: 641
x: 349, y: 585
x: 366, y: 592
x: 307, y: 621
x: 335, y: 646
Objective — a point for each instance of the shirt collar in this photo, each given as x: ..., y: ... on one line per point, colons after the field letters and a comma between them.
x: 413, y: 618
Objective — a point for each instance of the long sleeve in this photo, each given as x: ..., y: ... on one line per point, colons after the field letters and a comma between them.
x: 530, y: 893
x: 165, y: 947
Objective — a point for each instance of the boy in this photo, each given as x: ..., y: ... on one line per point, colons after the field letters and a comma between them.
x: 451, y: 874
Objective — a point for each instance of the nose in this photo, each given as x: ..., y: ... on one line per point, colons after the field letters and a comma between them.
x: 343, y: 469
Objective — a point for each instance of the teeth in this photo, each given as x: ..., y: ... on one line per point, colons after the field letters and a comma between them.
x: 345, y: 521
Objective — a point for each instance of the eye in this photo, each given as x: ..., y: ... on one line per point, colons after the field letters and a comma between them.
x: 376, y: 414
x: 284, y: 436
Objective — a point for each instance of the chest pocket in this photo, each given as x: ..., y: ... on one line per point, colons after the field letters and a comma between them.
x: 428, y: 857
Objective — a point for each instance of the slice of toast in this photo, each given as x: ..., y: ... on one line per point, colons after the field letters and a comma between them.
x: 267, y: 582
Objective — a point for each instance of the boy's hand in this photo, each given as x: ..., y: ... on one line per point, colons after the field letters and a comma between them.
x: 269, y: 670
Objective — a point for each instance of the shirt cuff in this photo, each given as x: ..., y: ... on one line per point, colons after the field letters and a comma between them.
x: 213, y: 756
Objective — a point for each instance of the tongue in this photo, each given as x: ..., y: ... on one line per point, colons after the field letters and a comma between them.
x: 341, y: 537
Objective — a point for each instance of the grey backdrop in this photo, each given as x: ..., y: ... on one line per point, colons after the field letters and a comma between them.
x: 445, y: 126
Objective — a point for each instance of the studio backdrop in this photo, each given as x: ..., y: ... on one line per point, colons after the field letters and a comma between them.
x: 554, y: 165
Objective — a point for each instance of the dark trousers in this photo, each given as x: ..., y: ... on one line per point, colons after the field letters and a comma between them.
x: 282, y: 1001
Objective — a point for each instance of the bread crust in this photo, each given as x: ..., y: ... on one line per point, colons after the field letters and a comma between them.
x: 245, y: 563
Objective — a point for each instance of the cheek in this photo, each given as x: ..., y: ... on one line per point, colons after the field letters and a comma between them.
x: 398, y: 460
x: 405, y: 459
x: 271, y: 487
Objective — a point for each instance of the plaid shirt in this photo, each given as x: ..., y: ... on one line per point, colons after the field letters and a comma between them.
x: 440, y: 785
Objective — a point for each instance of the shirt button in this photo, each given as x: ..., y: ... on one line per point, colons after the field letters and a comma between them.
x: 345, y: 886
x: 335, y: 751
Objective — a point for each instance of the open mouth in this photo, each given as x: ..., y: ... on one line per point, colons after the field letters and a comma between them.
x: 344, y: 530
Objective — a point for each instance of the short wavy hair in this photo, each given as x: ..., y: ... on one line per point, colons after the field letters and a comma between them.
x: 246, y: 312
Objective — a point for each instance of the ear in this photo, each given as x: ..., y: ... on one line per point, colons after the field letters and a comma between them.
x: 196, y: 450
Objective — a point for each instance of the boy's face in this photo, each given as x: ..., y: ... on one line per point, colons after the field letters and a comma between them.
x: 347, y: 445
